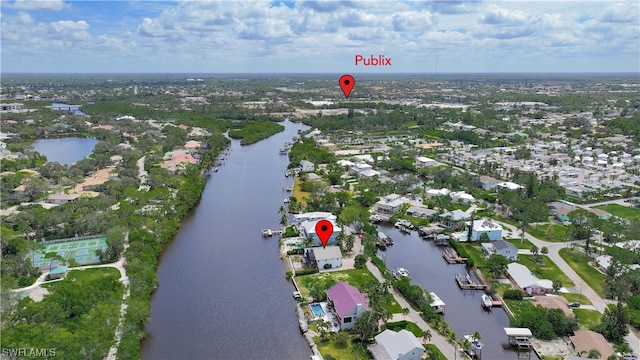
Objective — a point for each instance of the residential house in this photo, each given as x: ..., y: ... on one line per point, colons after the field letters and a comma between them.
x: 401, y: 345
x: 324, y: 258
x: 601, y: 214
x: 462, y: 197
x: 178, y: 163
x: 347, y: 304
x: 562, y: 214
x: 313, y: 216
x: 62, y: 198
x: 522, y: 277
x: 488, y: 183
x: 422, y: 161
x: 389, y: 205
x: 438, y: 192
x: 418, y: 211
x: 585, y: 340
x: 485, y: 226
x: 306, y: 166
x: 192, y: 145
x: 508, y: 185
x: 500, y: 247
x: 308, y: 228
x: 452, y: 217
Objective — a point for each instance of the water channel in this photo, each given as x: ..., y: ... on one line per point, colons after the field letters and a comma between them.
x: 463, y: 310
x: 223, y: 292
x: 66, y: 150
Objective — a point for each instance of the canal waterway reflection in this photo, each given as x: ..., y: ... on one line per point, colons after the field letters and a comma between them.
x: 223, y: 292
x: 67, y: 150
x: 463, y: 310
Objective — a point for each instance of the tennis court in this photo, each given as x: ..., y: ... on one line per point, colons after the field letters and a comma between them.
x: 82, y: 251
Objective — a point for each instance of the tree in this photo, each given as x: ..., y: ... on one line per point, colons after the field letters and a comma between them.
x: 342, y: 339
x: 497, y: 264
x: 360, y: 261
x: 426, y: 335
x: 484, y: 237
x: 557, y: 285
x: 593, y: 354
x: 405, y: 312
x: 324, y: 327
x: 613, y: 325
x: 366, y: 325
x: 534, y: 252
x: 544, y: 250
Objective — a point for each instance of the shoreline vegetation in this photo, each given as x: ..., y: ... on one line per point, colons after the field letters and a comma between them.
x: 255, y: 132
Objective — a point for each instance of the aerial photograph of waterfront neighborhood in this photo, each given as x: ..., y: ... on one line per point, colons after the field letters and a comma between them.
x: 320, y: 180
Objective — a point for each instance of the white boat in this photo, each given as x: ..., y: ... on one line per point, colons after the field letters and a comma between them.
x: 487, y: 301
x: 475, y: 349
x: 286, y: 201
x: 375, y: 218
x: 437, y: 304
x: 402, y: 271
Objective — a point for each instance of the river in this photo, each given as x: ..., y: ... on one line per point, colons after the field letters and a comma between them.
x: 222, y: 290
x: 66, y: 150
x: 423, y: 259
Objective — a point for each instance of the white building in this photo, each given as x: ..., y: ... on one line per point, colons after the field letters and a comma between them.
x: 401, y: 345
x: 526, y: 281
x: 326, y: 258
x: 313, y: 216
x: 485, y: 226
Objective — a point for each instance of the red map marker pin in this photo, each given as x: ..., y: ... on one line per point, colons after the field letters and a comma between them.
x: 324, y: 229
x: 347, y: 82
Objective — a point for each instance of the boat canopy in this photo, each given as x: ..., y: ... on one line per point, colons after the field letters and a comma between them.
x: 518, y: 332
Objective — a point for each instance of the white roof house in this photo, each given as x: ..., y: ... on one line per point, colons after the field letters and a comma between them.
x: 528, y: 282
x: 509, y: 185
x: 462, y: 196
x: 313, y: 216
x: 425, y: 161
x: 345, y: 163
x: 401, y: 345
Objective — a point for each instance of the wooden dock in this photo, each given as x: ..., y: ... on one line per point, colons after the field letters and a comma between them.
x: 466, y: 283
x: 452, y: 257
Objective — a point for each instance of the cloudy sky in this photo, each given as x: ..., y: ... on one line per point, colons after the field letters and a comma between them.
x: 319, y: 36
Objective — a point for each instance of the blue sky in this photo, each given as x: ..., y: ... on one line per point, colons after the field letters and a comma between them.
x: 319, y: 36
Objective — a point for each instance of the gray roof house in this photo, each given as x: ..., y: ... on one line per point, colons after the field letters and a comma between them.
x: 391, y: 345
x: 501, y: 247
x: 306, y: 166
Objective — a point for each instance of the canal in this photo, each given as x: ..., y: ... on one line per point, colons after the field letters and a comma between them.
x: 223, y: 292
x: 463, y: 310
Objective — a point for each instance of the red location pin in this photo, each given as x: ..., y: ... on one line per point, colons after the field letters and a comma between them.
x: 347, y: 82
x: 324, y: 229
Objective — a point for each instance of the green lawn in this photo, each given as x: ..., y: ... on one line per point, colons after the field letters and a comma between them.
x: 620, y: 211
x: 355, y: 277
x: 86, y: 276
x: 436, y: 354
x: 553, y: 232
x: 330, y: 348
x: 548, y: 269
x: 406, y: 325
x: 526, y: 244
x: 587, y: 318
x: 576, y: 297
x: 474, y: 250
x: 579, y: 263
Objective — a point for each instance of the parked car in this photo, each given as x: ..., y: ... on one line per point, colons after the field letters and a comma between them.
x: 574, y: 304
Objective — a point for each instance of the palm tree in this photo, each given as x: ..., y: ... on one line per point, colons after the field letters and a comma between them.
x: 405, y: 312
x: 426, y: 335
x: 594, y: 354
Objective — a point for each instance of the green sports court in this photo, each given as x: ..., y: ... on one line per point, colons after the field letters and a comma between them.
x: 81, y: 250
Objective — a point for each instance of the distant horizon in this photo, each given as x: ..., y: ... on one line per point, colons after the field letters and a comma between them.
x: 328, y: 73
x: 309, y: 37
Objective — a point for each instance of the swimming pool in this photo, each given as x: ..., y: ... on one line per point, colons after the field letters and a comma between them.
x: 317, y: 310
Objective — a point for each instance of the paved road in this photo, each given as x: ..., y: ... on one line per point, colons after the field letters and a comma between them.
x: 436, y: 338
x: 580, y: 286
x: 615, y: 201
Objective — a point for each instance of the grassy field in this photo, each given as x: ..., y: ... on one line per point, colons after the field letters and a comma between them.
x: 406, y: 325
x: 86, y: 276
x: 355, y: 277
x: 620, y: 211
x: 576, y: 297
x: 526, y: 244
x: 298, y: 193
x: 587, y: 318
x: 547, y: 270
x: 579, y: 263
x: 437, y: 354
x: 550, y: 232
x: 330, y: 348
x: 475, y: 252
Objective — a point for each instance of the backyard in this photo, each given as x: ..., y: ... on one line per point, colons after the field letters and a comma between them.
x: 620, y: 211
x: 356, y: 277
x: 587, y: 318
x: 580, y: 264
x: 552, y: 231
x: 545, y: 269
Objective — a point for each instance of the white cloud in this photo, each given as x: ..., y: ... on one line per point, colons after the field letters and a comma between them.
x: 54, y: 5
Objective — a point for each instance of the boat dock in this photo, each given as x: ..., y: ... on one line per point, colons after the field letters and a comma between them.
x: 270, y: 232
x: 520, y: 338
x: 452, y: 257
x: 466, y: 283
